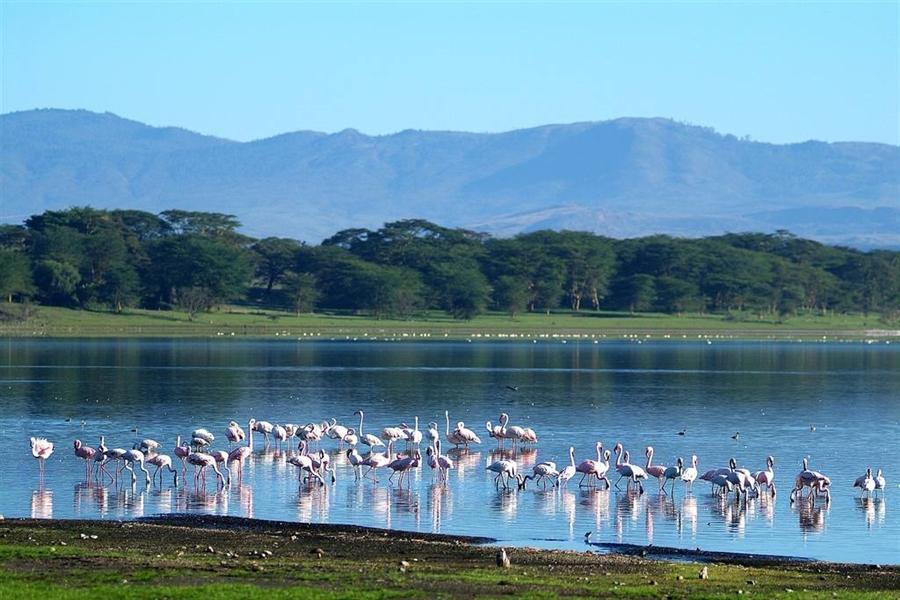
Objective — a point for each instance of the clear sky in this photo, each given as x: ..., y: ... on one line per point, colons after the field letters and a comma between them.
x: 777, y: 72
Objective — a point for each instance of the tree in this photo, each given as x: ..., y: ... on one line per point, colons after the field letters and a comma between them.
x: 301, y: 289
x: 15, y: 275
x: 276, y: 257
x: 635, y: 292
x: 58, y: 281
x: 511, y: 294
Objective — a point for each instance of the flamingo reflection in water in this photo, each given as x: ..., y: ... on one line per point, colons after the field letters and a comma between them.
x: 596, y: 501
x: 873, y: 509
x: 42, y: 503
x: 811, y: 517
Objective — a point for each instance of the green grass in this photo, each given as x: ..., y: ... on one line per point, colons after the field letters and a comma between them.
x: 240, y: 321
x: 165, y: 561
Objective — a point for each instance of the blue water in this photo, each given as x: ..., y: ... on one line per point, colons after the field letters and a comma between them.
x: 571, y: 394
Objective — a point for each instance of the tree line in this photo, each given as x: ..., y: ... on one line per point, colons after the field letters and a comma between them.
x: 195, y: 261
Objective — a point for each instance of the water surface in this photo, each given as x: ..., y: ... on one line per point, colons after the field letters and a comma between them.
x: 571, y: 394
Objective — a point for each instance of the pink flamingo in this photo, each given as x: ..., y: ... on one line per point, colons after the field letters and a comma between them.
x: 182, y: 452
x: 767, y: 477
x: 376, y: 461
x: 162, y: 461
x: 590, y: 468
x: 205, y: 461
x: 367, y: 438
x: 234, y: 433
x: 815, y: 481
x: 221, y: 458
x: 512, y: 432
x: 41, y: 449
x: 87, y: 454
x: 135, y: 457
x: 304, y: 463
x: 496, y: 432
x: 239, y: 454
x: 263, y: 427
x: 658, y: 471
x: 466, y: 435
x: 543, y: 471
x: 403, y: 465
x: 506, y: 470
x: 445, y: 463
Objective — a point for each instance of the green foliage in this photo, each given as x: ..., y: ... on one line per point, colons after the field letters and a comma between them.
x: 83, y: 257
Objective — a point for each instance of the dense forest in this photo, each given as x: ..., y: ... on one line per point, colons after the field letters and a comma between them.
x: 88, y: 258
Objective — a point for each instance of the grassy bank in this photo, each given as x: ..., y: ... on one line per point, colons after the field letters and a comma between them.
x: 220, y: 558
x: 236, y: 321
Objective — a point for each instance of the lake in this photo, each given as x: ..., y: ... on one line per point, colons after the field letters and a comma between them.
x: 836, y: 403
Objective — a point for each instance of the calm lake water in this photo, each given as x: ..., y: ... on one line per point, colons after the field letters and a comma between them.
x: 571, y: 394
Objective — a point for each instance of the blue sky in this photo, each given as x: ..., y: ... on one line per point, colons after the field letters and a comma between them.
x: 777, y: 72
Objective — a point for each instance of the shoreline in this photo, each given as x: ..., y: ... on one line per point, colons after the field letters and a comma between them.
x: 234, y: 557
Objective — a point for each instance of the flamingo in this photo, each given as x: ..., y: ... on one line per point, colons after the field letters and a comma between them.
x: 280, y: 434
x: 453, y: 437
x: 530, y: 436
x: 431, y: 453
x: 689, y: 475
x: 543, y: 471
x: 205, y: 461
x: 495, y: 431
x: 591, y: 468
x: 202, y: 434
x: 41, y: 449
x: 377, y: 460
x: 115, y: 455
x: 414, y: 436
x: 403, y: 465
x: 367, y: 438
x: 433, y: 433
x: 569, y: 471
x: 148, y: 447
x: 506, y: 470
x: 880, y: 483
x: 672, y: 473
x: 337, y: 432
x: 305, y: 463
x: 815, y: 481
x: 657, y: 471
x: 355, y: 459
x: 311, y: 432
x: 514, y: 432
x: 182, y: 452
x: 738, y: 477
x: 241, y: 453
x: 136, y: 457
x: 100, y: 456
x: 393, y: 434
x: 234, y: 433
x: 263, y: 427
x: 221, y: 458
x: 162, y: 461
x: 87, y: 454
x: 865, y: 483
x: 767, y: 477
x: 351, y: 438
x: 625, y: 469
x: 445, y: 463
x: 466, y: 435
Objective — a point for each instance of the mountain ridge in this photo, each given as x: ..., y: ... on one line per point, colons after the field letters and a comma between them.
x: 627, y: 176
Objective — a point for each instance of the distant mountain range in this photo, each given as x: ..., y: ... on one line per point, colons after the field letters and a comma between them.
x: 626, y: 177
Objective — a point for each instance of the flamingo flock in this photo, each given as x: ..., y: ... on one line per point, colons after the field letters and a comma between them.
x: 383, y: 453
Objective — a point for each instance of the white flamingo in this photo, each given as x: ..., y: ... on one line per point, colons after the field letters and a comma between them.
x: 367, y: 438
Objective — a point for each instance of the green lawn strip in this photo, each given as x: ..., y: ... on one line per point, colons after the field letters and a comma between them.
x: 241, y: 321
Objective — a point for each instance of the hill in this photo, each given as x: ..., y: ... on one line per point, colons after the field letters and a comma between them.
x: 622, y: 178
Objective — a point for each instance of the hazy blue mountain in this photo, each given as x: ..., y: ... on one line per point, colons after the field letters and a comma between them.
x: 624, y: 177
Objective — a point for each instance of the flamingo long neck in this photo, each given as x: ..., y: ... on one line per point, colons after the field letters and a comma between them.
x: 572, y: 456
x: 416, y: 427
x: 599, y: 452
x: 447, y: 416
x: 649, y: 456
x: 360, y: 423
x: 618, y: 450
x: 250, y: 437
